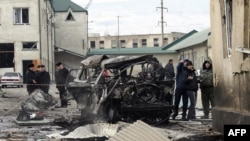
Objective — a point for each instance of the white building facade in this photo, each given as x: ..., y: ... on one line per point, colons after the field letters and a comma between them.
x: 26, y: 34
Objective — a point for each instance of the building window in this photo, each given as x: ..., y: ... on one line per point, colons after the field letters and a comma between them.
x: 101, y: 44
x: 113, y: 43
x: 156, y: 42
x: 21, y: 15
x: 122, y: 43
x: 165, y: 41
x: 70, y: 17
x: 144, y: 42
x: 92, y: 44
x: 135, y: 43
x: 29, y: 45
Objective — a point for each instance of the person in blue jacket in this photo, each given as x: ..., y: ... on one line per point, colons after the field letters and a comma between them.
x: 180, y: 90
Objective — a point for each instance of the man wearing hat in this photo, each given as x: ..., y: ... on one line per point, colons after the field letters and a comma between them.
x: 31, y: 79
x: 43, y: 78
x: 61, y: 77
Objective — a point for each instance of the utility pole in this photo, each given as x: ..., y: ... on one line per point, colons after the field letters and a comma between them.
x: 162, y: 22
x: 118, y: 42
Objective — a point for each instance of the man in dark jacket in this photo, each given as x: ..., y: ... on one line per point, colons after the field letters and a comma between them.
x: 31, y: 79
x: 43, y: 79
x: 169, y: 70
x: 61, y: 77
x: 180, y: 90
x: 191, y: 82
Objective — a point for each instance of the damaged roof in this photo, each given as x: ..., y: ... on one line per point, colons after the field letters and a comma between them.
x: 64, y: 5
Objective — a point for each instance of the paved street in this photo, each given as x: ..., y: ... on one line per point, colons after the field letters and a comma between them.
x: 10, y: 105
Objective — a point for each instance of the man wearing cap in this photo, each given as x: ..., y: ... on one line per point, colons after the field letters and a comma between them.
x: 31, y: 79
x: 61, y: 77
x: 43, y: 79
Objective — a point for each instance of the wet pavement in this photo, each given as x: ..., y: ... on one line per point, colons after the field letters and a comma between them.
x: 10, y: 105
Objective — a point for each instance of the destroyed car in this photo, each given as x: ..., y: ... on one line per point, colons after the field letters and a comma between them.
x: 122, y: 88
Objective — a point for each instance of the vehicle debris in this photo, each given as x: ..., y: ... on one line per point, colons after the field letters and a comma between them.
x: 131, y: 91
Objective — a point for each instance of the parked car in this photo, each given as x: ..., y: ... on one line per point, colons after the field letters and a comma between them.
x: 12, y: 79
x: 128, y: 92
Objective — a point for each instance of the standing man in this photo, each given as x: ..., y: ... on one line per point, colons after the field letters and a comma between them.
x: 43, y: 79
x: 180, y: 90
x: 191, y: 82
x: 169, y: 70
x: 31, y: 79
x: 206, y: 86
x: 61, y: 77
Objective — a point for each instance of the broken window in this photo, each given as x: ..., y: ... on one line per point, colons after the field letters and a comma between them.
x: 156, y: 42
x: 101, y: 44
x: 135, y: 43
x: 92, y: 44
x: 70, y: 17
x: 29, y: 45
x: 113, y: 43
x: 144, y: 42
x: 122, y: 43
x: 21, y: 15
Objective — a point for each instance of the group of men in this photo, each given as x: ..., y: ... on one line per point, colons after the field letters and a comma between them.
x: 37, y: 79
x: 40, y: 79
x: 187, y: 86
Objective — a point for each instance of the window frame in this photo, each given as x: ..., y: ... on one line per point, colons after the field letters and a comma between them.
x: 101, y: 44
x: 143, y: 42
x: 20, y: 16
x: 33, y: 47
x: 123, y: 43
x: 135, y: 43
x: 156, y: 42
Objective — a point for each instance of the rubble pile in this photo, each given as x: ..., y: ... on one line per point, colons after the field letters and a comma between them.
x: 35, y: 104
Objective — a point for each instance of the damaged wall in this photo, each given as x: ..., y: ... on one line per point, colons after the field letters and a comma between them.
x: 231, y: 67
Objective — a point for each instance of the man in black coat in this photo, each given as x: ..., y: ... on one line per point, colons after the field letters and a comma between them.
x: 43, y: 79
x: 61, y: 77
x: 169, y: 70
x: 31, y: 79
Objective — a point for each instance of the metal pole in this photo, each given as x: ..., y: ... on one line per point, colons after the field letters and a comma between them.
x: 162, y: 21
x: 118, y: 42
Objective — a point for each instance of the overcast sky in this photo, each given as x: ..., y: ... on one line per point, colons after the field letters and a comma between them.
x: 143, y: 16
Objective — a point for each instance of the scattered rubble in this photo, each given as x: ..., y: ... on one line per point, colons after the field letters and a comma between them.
x: 32, y: 108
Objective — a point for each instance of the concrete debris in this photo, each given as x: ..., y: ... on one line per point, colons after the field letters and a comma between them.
x: 33, y: 106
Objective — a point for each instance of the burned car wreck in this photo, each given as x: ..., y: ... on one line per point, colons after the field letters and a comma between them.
x: 122, y: 88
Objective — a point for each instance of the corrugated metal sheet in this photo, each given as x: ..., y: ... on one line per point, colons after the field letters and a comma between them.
x: 139, y: 131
